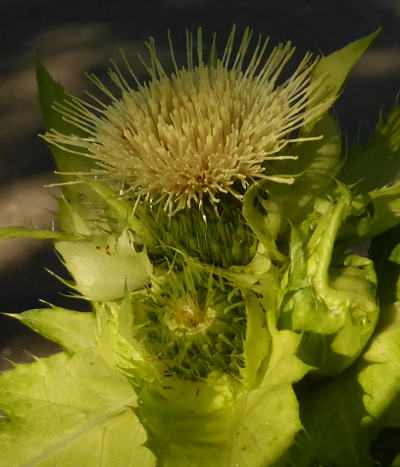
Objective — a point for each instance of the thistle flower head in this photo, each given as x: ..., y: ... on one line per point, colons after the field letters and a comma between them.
x: 203, y: 130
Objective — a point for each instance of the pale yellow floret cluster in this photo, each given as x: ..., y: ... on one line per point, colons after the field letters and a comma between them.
x: 199, y: 132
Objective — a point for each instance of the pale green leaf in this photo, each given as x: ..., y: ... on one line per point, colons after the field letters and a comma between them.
x: 105, y: 267
x: 69, y: 410
x: 318, y: 162
x: 50, y: 94
x: 265, y: 225
x: 257, y: 345
x: 269, y: 415
x: 329, y: 299
x: 80, y: 207
x: 387, y: 266
x: 343, y: 415
x: 383, y: 152
x: 72, y: 330
x: 396, y: 462
x: 374, y: 170
x: 334, y: 68
x: 374, y: 213
x: 80, y: 210
x: 24, y: 232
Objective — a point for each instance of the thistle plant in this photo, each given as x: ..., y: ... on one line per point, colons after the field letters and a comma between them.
x: 209, y: 215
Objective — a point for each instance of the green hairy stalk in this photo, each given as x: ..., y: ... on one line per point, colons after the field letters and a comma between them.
x: 210, y: 215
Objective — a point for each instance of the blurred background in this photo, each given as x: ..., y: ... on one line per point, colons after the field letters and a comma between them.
x: 72, y: 37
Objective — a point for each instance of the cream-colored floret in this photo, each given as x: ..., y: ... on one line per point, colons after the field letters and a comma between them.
x: 195, y: 133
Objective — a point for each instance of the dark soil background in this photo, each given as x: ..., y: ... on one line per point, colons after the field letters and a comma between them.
x: 72, y: 37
